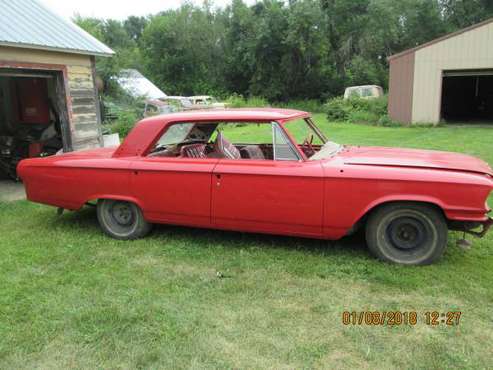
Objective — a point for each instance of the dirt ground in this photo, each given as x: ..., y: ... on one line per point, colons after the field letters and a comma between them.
x: 11, y: 191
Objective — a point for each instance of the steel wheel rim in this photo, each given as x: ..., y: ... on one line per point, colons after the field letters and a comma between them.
x: 122, y: 214
x: 406, y: 233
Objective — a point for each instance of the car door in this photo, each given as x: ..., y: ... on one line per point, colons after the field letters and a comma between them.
x: 283, y: 196
x: 174, y: 190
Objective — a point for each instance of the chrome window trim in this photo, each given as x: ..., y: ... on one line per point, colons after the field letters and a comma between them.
x: 277, y: 126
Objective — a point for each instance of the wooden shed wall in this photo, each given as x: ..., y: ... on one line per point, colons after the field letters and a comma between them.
x: 82, y: 104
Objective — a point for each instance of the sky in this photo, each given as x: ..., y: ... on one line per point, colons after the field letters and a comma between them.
x: 118, y: 9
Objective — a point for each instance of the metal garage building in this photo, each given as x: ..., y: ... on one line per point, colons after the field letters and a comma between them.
x: 450, y: 79
x: 48, y: 95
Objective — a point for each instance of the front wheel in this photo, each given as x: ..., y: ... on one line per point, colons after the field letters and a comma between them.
x: 409, y: 234
x: 122, y: 220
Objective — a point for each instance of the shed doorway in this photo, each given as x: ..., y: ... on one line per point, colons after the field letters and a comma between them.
x: 467, y: 96
x: 33, y: 117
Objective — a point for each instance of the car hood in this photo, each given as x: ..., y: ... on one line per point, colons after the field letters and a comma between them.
x: 396, y: 157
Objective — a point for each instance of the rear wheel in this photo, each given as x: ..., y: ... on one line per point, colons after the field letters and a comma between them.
x: 407, y: 233
x: 122, y: 220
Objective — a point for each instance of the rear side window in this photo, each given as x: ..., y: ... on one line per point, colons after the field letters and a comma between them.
x: 176, y: 134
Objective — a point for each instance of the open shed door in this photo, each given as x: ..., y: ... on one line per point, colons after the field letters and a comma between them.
x: 467, y: 96
x: 33, y: 116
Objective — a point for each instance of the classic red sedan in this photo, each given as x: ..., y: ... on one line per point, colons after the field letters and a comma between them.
x: 269, y: 171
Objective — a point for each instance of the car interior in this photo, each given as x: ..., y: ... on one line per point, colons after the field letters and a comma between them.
x: 209, y: 140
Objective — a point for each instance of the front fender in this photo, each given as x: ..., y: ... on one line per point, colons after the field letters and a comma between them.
x: 451, y: 213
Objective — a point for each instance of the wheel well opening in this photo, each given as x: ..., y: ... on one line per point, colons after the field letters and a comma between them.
x: 361, y: 223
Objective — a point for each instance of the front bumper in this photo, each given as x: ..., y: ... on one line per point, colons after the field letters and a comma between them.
x: 470, y: 227
x: 487, y: 225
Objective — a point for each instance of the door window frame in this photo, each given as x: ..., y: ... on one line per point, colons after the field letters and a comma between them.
x: 301, y: 157
x: 280, y: 129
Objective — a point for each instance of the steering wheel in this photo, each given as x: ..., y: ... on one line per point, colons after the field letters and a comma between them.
x: 308, y: 142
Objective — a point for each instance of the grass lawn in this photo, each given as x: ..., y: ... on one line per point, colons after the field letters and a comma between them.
x: 73, y: 298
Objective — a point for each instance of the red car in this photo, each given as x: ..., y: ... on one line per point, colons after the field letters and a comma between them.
x: 269, y: 171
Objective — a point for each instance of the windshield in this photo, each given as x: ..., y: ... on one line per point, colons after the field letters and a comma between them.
x: 186, y: 102
x: 167, y: 109
x: 328, y: 150
x: 311, y: 139
x: 302, y: 131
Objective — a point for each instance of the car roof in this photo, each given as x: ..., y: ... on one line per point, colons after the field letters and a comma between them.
x: 156, y: 102
x: 241, y: 114
x: 200, y: 97
x: 139, y: 138
x: 174, y: 98
x: 361, y: 86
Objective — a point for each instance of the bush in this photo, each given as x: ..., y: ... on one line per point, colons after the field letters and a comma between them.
x: 313, y: 106
x: 124, y: 123
x: 356, y: 110
x: 238, y: 101
x: 386, y: 121
x: 337, y: 109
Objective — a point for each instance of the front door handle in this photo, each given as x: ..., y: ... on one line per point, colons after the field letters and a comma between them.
x: 218, y: 179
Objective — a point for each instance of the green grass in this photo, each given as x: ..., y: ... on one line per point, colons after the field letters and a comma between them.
x: 73, y: 298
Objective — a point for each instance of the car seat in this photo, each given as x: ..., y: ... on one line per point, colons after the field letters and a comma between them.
x: 193, y: 151
x: 252, y: 152
x: 225, y: 149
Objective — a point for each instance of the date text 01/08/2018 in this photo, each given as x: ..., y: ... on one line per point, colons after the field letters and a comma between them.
x: 393, y: 318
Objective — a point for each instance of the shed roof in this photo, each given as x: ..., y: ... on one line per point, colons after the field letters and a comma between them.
x: 448, y: 36
x: 29, y: 24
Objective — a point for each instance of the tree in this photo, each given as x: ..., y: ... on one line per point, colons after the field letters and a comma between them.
x: 183, y: 51
x: 134, y: 27
x: 239, y: 41
x: 113, y: 34
x: 464, y: 13
x: 280, y: 50
x: 346, y: 22
x: 307, y: 59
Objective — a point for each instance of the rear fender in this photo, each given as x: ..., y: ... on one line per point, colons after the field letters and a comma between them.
x: 114, y: 197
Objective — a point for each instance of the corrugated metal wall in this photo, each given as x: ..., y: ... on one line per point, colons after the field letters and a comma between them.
x: 401, y: 88
x: 29, y: 23
x: 469, y: 50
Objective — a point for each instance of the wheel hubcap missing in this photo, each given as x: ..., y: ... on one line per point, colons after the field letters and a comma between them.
x: 122, y: 214
x: 406, y: 233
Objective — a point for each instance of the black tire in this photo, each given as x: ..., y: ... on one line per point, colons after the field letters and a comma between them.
x: 122, y: 220
x: 407, y: 233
